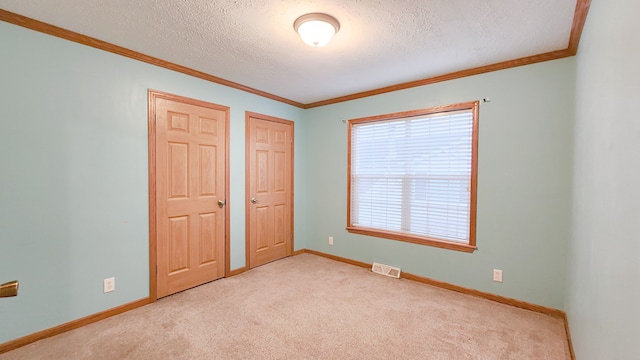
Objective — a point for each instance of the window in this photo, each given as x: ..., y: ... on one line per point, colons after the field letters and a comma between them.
x: 412, y: 176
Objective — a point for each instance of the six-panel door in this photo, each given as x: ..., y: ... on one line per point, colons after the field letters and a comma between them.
x: 270, y: 149
x: 190, y: 183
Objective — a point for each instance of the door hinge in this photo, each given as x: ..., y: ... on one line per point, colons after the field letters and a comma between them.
x: 156, y: 269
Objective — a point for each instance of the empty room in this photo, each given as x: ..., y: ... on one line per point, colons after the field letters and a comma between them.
x: 319, y: 179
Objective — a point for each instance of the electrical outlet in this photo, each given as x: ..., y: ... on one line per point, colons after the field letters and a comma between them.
x: 497, y: 275
x: 109, y: 285
x: 331, y: 240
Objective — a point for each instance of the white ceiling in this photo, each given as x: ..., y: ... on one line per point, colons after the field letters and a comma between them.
x: 380, y: 42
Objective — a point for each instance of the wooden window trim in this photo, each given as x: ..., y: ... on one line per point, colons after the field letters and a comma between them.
x: 415, y: 239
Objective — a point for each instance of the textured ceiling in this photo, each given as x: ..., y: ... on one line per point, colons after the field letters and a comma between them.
x: 380, y: 42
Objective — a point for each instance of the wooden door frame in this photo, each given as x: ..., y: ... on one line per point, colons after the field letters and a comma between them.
x: 153, y: 236
x: 247, y: 186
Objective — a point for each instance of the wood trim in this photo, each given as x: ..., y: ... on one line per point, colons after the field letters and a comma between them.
x: 56, y: 330
x: 552, y: 55
x: 247, y: 187
x: 568, y: 332
x: 444, y: 285
x: 247, y: 192
x: 497, y: 298
x: 56, y: 31
x: 469, y: 247
x: 153, y: 236
x: 443, y: 244
x: 187, y: 100
x: 348, y: 179
x: 336, y: 258
x: 237, y: 271
x: 580, y: 15
x: 579, y: 19
x: 268, y: 118
x: 469, y: 105
x: 227, y: 194
x: 474, y: 176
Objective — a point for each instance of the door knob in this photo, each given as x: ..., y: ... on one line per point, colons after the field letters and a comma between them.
x: 254, y: 200
x: 221, y: 203
x: 9, y: 289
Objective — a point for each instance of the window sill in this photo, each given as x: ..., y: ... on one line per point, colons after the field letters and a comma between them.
x: 444, y: 244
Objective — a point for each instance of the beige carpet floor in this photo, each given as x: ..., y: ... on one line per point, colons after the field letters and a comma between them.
x: 309, y: 307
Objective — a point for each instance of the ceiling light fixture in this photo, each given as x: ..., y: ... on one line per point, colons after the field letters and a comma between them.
x: 316, y: 29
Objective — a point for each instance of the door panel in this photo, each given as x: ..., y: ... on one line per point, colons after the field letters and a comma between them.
x: 190, y: 171
x: 269, y: 189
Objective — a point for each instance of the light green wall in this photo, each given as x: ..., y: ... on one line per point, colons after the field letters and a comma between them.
x: 73, y: 175
x: 524, y: 178
x: 604, y: 271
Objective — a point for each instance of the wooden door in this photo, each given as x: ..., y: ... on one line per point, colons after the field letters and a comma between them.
x: 269, y: 188
x: 190, y: 171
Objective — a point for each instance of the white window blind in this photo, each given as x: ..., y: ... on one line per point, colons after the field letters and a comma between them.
x: 413, y: 175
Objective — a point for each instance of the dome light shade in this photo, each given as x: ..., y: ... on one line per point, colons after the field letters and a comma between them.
x: 316, y: 29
